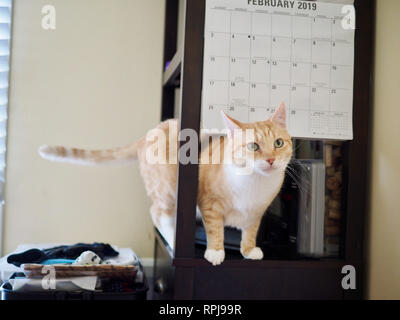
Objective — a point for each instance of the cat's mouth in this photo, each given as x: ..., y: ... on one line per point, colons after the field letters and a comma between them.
x: 267, y: 170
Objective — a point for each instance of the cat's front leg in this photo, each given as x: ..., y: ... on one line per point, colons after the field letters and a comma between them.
x: 214, y: 225
x: 248, y: 247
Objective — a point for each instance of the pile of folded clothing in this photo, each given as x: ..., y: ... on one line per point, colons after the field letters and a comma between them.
x: 96, y: 267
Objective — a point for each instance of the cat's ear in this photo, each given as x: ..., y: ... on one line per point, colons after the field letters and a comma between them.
x: 231, y: 124
x: 279, y: 116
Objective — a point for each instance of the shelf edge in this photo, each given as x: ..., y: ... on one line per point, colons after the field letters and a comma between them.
x: 269, y: 264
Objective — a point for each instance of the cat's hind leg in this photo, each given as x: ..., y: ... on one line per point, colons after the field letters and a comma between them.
x: 164, y: 220
x: 167, y: 225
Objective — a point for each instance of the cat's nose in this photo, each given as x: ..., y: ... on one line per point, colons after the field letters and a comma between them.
x: 271, y: 161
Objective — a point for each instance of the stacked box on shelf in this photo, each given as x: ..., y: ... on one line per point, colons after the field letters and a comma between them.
x: 333, y: 195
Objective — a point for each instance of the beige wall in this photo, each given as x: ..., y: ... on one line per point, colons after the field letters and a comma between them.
x: 384, y: 242
x: 95, y: 82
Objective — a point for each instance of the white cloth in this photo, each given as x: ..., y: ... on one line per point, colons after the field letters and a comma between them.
x: 88, y: 258
x: 126, y: 257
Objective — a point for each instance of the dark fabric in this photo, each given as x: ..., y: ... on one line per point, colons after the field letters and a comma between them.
x: 61, y: 252
x: 72, y: 252
x: 29, y: 256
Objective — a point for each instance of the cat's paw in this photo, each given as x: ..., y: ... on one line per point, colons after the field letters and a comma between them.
x: 254, y: 254
x: 215, y: 257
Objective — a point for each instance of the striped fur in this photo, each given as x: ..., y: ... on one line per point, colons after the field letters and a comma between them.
x: 117, y: 156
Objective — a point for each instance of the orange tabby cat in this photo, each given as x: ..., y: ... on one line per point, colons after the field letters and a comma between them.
x: 226, y: 196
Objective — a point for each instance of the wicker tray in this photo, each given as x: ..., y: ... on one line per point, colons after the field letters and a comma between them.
x: 63, y: 271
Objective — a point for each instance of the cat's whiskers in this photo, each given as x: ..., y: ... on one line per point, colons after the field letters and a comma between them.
x: 303, y: 190
x: 294, y: 172
x: 298, y: 146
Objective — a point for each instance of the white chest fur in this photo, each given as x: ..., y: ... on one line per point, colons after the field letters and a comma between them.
x: 250, y: 195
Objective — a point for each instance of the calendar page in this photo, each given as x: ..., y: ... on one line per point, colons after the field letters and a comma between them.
x: 258, y: 53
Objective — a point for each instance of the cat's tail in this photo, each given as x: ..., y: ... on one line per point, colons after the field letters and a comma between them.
x: 117, y: 156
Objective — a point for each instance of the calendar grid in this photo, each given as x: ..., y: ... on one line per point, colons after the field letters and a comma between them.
x: 309, y: 127
x: 270, y: 64
x: 251, y: 61
x: 230, y: 46
x: 262, y: 58
x: 330, y: 77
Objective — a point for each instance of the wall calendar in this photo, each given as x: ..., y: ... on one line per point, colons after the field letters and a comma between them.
x: 258, y: 53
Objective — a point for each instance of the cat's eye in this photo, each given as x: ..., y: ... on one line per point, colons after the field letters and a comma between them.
x: 253, y: 146
x: 278, y: 143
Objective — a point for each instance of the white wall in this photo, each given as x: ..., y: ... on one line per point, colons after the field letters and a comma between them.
x: 94, y: 82
x: 384, y: 238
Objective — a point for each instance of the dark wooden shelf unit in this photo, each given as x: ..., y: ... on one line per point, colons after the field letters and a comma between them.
x: 181, y: 274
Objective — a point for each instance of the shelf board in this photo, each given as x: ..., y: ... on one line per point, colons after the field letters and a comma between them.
x: 235, y: 260
x: 173, y: 72
x: 265, y: 264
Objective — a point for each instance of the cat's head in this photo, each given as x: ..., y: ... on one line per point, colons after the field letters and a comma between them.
x: 266, y: 145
